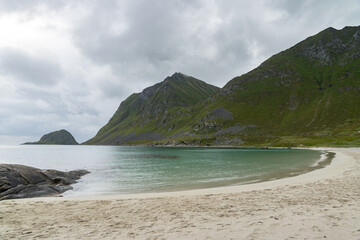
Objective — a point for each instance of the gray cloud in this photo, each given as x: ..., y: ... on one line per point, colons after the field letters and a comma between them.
x: 212, y: 40
x: 27, y: 68
x: 111, y: 34
x: 24, y: 5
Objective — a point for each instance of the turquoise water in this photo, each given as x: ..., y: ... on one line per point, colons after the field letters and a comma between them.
x: 124, y: 169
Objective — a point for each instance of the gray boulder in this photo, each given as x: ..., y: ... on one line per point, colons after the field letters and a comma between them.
x: 19, y: 181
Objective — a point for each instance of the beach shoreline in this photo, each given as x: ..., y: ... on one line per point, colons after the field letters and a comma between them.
x: 317, y: 204
x: 336, y: 167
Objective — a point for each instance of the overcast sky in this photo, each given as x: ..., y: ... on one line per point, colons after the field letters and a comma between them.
x: 69, y: 64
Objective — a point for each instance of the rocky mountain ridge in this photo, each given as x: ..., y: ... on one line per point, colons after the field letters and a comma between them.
x: 306, y: 95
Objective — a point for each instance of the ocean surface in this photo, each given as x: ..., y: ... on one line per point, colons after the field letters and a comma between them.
x: 124, y: 169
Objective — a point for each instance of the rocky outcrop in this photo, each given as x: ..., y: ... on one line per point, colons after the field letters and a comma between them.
x: 19, y: 181
x: 61, y: 137
x: 221, y: 113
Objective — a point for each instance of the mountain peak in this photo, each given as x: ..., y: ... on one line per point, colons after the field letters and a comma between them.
x: 329, y: 47
x: 331, y: 29
x: 179, y: 75
x: 151, y: 108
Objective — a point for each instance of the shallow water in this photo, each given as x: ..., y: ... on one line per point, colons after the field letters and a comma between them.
x: 125, y: 169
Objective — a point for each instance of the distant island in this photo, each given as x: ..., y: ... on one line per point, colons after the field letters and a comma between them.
x: 307, y: 95
x: 61, y: 137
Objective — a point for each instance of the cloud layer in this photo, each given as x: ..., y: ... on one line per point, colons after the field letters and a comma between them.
x: 69, y: 64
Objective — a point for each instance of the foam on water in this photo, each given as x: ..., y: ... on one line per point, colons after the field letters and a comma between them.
x: 323, y: 157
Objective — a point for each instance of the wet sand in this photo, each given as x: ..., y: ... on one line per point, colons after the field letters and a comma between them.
x: 322, y: 204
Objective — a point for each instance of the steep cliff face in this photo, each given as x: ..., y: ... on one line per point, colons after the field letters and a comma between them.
x: 61, y: 137
x: 306, y: 95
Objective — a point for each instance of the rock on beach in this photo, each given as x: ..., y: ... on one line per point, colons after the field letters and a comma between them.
x: 19, y: 181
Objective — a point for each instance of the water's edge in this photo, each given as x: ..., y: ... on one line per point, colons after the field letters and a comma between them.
x: 324, y: 161
x: 132, y: 170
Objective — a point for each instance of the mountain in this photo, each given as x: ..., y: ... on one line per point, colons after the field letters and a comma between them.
x: 61, y: 137
x: 148, y: 115
x: 306, y: 95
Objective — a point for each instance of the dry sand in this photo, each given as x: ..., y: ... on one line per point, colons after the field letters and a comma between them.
x: 323, y: 204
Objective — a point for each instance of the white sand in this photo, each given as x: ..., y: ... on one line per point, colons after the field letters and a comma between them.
x: 323, y: 204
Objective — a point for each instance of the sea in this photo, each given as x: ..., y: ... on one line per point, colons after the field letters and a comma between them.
x: 135, y: 169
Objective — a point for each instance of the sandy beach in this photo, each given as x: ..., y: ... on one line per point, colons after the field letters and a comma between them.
x: 322, y: 204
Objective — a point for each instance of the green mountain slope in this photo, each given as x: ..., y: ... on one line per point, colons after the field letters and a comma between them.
x: 146, y: 115
x: 306, y: 95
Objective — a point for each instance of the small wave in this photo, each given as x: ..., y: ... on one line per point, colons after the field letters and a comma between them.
x: 158, y: 156
x: 217, y: 179
x: 323, y: 158
x: 248, y: 182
